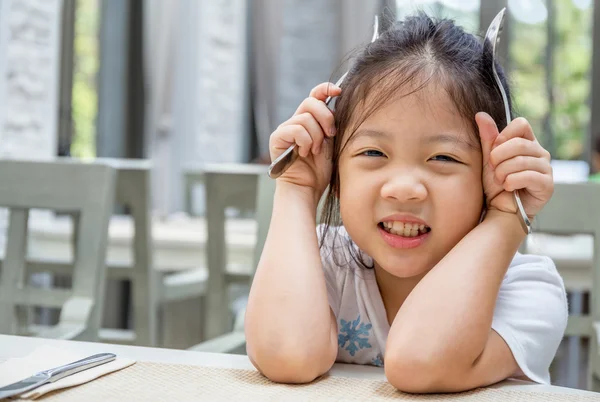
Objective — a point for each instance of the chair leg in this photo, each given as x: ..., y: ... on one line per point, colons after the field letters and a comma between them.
x: 218, y: 317
x: 146, y: 283
x: 593, y: 383
x: 593, y: 377
x: 8, y: 324
x: 574, y: 343
x: 24, y: 317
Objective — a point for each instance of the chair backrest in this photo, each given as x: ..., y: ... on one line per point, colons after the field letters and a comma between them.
x: 575, y: 209
x: 85, y: 191
x: 133, y: 191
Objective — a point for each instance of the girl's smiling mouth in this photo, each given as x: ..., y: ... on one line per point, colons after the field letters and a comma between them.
x: 403, y: 232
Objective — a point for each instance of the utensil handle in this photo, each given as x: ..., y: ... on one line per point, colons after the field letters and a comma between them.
x: 283, y: 162
x: 80, y: 365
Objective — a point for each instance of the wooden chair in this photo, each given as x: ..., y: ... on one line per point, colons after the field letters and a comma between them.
x: 575, y: 209
x: 226, y: 185
x: 132, y: 190
x: 149, y: 290
x: 235, y: 340
x: 86, y: 191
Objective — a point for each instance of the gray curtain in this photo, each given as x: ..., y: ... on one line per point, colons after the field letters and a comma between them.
x: 159, y: 47
x: 298, y: 44
x: 196, y: 82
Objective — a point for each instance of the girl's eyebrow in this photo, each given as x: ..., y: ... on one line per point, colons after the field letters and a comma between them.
x: 372, y: 134
x: 450, y: 138
x: 429, y: 139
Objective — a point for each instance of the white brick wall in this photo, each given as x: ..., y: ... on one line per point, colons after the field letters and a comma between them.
x: 29, y: 61
x: 221, y: 134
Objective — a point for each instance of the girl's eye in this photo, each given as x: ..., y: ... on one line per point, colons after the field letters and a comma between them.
x: 444, y: 158
x: 372, y: 153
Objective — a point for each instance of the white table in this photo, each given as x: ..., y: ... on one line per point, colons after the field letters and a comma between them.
x: 16, y: 346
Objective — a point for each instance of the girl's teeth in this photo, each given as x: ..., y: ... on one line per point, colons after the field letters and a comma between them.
x: 404, y: 229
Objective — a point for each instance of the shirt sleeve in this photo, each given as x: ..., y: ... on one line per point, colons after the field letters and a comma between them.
x: 335, y: 276
x: 531, y: 314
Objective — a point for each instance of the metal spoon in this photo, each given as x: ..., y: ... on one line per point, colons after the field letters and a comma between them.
x: 492, y: 38
x: 289, y: 156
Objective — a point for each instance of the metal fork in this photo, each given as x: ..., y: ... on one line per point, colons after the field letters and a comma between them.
x: 492, y: 38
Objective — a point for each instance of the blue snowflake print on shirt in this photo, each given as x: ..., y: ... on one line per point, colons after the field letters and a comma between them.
x: 377, y: 361
x: 352, y: 333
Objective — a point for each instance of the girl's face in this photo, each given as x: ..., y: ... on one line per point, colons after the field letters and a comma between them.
x: 410, y: 182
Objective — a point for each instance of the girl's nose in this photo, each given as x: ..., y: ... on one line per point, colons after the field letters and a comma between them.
x: 403, y: 188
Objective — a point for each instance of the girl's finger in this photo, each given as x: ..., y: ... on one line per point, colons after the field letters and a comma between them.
x: 285, y: 136
x: 521, y: 163
x: 534, y: 182
x: 517, y: 147
x: 311, y: 125
x: 518, y: 128
x: 488, y: 132
x: 321, y: 113
x: 324, y: 90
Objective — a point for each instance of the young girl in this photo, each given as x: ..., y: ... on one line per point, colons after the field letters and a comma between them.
x: 417, y: 267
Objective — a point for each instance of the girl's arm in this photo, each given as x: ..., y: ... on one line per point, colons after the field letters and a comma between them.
x: 441, y: 339
x: 291, y: 331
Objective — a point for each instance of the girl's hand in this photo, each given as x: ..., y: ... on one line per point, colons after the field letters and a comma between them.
x: 514, y: 160
x: 312, y: 128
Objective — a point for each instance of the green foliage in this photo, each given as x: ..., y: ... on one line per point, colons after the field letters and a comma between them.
x: 572, y: 44
x: 85, y: 99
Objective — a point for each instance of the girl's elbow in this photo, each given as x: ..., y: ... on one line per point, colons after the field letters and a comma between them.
x: 288, y: 360
x: 413, y: 374
x: 287, y: 367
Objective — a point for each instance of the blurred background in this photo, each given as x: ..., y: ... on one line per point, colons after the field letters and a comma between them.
x: 190, y: 90
x: 185, y: 81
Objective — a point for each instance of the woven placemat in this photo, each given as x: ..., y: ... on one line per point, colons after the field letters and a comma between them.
x: 156, y: 381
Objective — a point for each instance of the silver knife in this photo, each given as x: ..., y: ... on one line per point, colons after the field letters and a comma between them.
x: 55, y: 374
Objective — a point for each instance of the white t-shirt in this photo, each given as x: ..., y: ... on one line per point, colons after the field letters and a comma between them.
x: 530, y: 314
